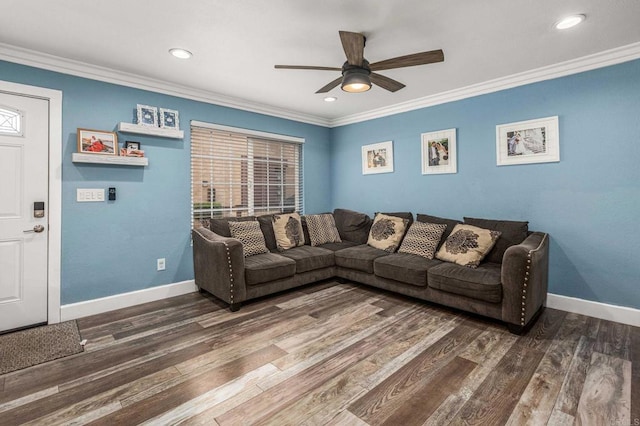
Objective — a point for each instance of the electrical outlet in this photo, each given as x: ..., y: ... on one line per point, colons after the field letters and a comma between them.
x: 161, y: 264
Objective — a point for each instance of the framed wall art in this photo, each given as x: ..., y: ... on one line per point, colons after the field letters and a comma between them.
x: 377, y: 158
x: 527, y: 142
x: 169, y: 119
x: 147, y: 115
x: 439, y: 152
x: 97, y: 142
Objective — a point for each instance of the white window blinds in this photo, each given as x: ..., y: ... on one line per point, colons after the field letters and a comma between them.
x: 243, y: 173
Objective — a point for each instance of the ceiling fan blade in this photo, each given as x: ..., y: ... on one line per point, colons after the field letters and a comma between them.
x: 353, y: 45
x: 330, y: 86
x: 422, y: 58
x: 385, y: 82
x: 306, y: 67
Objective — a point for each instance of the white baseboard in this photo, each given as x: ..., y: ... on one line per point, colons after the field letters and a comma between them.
x: 125, y: 300
x: 615, y: 313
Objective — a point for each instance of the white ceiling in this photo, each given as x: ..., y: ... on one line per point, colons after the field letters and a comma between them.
x: 236, y: 43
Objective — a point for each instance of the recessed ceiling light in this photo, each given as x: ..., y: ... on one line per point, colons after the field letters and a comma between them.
x: 569, y: 21
x: 330, y: 99
x: 180, y: 53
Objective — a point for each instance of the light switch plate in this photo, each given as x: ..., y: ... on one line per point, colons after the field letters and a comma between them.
x: 89, y: 195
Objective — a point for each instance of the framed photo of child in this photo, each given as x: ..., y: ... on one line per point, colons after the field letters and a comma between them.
x: 97, y: 142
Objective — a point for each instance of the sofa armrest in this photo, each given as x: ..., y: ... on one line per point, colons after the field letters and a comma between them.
x: 525, y: 272
x: 218, y: 264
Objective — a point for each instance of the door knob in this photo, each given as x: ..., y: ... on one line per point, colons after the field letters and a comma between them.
x: 38, y: 229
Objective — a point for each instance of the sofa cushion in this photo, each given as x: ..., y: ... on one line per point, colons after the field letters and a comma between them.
x: 359, y: 257
x: 404, y: 267
x: 267, y: 267
x: 338, y: 246
x: 482, y: 283
x: 513, y: 233
x: 250, y: 235
x: 352, y: 226
x: 220, y: 225
x: 387, y: 232
x: 288, y: 230
x: 266, y: 224
x: 322, y: 229
x: 309, y: 258
x: 467, y: 245
x: 451, y: 223
x: 422, y: 239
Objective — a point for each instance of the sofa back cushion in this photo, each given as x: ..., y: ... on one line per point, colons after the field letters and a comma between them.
x: 352, y: 226
x: 266, y: 224
x: 288, y: 231
x: 221, y: 225
x: 451, y: 223
x: 467, y: 245
x: 512, y: 233
x: 250, y: 235
x: 387, y: 232
x: 322, y: 229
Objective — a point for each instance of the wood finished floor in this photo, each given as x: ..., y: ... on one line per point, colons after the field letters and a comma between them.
x: 335, y: 354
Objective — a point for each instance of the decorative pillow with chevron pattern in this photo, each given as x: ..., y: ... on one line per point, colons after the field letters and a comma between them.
x: 422, y: 239
x: 322, y: 229
x: 250, y: 235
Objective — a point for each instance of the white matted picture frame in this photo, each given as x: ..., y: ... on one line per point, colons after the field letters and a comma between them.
x: 528, y: 142
x: 377, y: 158
x: 439, y: 155
x: 169, y: 119
x: 147, y: 115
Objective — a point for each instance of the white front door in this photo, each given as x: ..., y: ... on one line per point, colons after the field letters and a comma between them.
x: 24, y: 163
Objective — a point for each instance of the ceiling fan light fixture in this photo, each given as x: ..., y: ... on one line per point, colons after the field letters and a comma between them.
x: 356, y: 80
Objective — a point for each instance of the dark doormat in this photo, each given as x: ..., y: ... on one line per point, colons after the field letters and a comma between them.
x: 25, y: 348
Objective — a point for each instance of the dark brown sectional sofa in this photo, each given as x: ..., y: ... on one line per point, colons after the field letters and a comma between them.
x: 509, y: 285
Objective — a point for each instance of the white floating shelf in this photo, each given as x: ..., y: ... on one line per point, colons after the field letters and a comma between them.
x: 148, y: 130
x: 109, y: 159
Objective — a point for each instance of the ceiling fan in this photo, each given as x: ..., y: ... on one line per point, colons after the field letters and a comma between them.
x: 358, y: 74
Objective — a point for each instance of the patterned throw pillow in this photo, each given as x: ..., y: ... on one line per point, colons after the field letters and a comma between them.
x: 250, y: 236
x: 422, y: 239
x: 387, y: 232
x: 322, y: 229
x: 467, y: 245
x: 288, y: 231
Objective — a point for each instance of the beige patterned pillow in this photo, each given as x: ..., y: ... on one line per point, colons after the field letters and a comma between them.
x: 422, y: 239
x: 322, y: 229
x: 387, y: 232
x: 467, y: 245
x: 250, y: 235
x: 288, y: 231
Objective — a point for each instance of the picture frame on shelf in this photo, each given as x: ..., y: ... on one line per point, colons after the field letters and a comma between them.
x: 528, y: 142
x: 98, y: 142
x: 147, y: 115
x: 169, y: 119
x: 377, y: 158
x: 131, y: 149
x: 439, y: 152
x: 132, y: 145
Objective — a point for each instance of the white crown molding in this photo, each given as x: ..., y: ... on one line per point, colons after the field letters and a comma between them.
x: 605, y: 311
x: 574, y: 66
x: 49, y: 62
x: 80, y: 69
x: 125, y: 300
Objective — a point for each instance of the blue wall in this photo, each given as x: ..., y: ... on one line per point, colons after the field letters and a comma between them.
x: 589, y: 202
x: 110, y: 248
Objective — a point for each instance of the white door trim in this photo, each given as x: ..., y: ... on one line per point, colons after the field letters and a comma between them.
x: 55, y: 188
